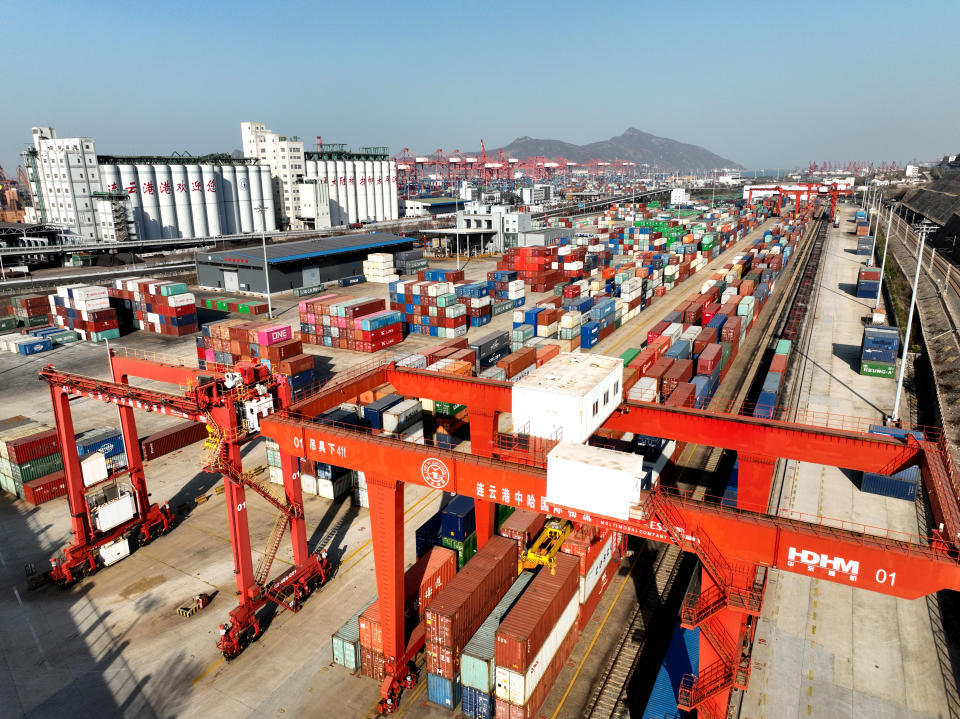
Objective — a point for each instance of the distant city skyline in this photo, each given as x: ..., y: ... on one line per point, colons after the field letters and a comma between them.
x: 763, y: 86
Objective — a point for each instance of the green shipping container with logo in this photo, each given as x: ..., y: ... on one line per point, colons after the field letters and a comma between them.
x: 465, y: 550
x: 503, y: 511
x: 878, y: 369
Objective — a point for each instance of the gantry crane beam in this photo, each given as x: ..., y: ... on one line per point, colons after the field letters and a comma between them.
x: 743, y: 537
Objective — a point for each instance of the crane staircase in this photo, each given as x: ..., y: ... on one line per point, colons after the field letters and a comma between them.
x: 732, y: 589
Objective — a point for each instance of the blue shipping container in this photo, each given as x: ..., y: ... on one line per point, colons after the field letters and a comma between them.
x: 373, y: 412
x: 107, y: 440
x: 443, y: 692
x: 902, y: 485
x: 771, y: 382
x: 458, y: 520
x: 680, y: 349
x: 682, y: 657
x: 765, y: 404
x: 894, y: 431
x: 428, y: 535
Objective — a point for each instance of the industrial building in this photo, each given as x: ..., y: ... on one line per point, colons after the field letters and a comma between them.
x: 429, y: 206
x: 284, y: 156
x: 118, y: 198
x: 294, y: 264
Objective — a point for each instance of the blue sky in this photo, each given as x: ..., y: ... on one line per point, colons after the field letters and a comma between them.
x: 759, y: 83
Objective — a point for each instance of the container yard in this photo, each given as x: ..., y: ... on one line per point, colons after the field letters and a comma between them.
x: 638, y: 471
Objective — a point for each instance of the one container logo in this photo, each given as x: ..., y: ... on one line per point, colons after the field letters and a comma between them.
x: 435, y: 473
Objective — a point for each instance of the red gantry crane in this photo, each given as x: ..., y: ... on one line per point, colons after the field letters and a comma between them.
x: 232, y: 404
x: 736, y: 546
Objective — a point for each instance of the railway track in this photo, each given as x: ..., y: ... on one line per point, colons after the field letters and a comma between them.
x: 609, y: 696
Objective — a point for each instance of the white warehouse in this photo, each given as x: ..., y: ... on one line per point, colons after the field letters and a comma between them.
x: 112, y: 198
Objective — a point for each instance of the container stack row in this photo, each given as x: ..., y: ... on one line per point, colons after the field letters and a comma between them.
x: 164, y: 308
x: 868, y: 282
x: 774, y: 381
x: 430, y: 307
x: 30, y: 341
x: 86, y: 310
x: 410, y: 262
x: 230, y: 304
x: 31, y: 466
x: 362, y: 324
x: 223, y: 344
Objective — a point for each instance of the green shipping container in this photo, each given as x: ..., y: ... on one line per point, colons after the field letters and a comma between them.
x: 8, y: 323
x: 223, y: 304
x: 448, y: 409
x: 36, y: 468
x: 783, y: 347
x: 174, y: 288
x: 878, y: 369
x: 37, y: 321
x: 629, y: 356
x: 726, y: 349
x: 105, y: 335
x: 503, y: 511
x: 249, y: 308
x: 62, y: 338
x: 465, y: 550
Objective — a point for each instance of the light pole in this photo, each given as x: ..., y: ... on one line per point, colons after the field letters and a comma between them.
x: 266, y: 267
x: 883, y: 263
x: 906, y: 342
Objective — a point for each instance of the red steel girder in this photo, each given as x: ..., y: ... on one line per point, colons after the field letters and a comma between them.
x: 772, y: 438
x: 900, y: 568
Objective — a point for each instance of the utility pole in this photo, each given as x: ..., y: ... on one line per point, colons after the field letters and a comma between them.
x: 266, y: 266
x: 906, y: 342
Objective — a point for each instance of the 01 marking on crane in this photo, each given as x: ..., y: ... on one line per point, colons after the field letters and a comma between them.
x: 435, y: 473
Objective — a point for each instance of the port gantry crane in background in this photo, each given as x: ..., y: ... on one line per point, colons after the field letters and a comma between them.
x: 735, y: 545
x: 808, y: 189
x: 231, y: 404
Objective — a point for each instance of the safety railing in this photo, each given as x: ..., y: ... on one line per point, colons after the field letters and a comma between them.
x: 152, y: 356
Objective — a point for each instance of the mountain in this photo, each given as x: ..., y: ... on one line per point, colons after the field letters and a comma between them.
x: 633, y: 145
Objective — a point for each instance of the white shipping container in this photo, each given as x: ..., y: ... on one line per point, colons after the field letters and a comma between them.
x: 645, y: 390
x: 94, y: 468
x: 335, y: 488
x: 596, y: 570
x: 594, y: 480
x: 574, y: 393
x: 517, y: 688
x: 308, y: 484
x: 276, y: 475
x: 402, y: 415
x: 181, y: 300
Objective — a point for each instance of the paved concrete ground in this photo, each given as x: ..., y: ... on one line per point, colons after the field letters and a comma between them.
x: 823, y: 649
x: 113, y: 645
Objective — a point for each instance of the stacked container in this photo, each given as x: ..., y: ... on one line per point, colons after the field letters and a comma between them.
x: 86, y: 310
x: 229, y: 304
x: 458, y: 528
x: 535, y: 639
x: 595, y: 550
x: 362, y: 324
x: 156, y: 306
x: 410, y: 262
x: 455, y: 614
x: 30, y: 461
x: 478, y: 675
x: 378, y: 267
x: 31, y: 310
x: 430, y: 307
x: 868, y: 283
x: 878, y: 351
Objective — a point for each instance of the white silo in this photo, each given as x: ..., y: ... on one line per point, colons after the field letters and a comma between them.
x: 360, y: 182
x: 351, y: 191
x: 211, y: 199
x: 147, y: 188
x: 129, y: 185
x: 110, y: 178
x: 169, y: 229
x: 198, y: 206
x: 394, y: 203
x: 369, y: 188
x: 256, y: 198
x: 323, y: 182
x: 243, y: 199
x: 181, y: 200
x: 312, y: 169
x: 334, y: 182
x: 228, y: 188
x: 387, y: 204
x: 266, y: 180
x: 378, y: 190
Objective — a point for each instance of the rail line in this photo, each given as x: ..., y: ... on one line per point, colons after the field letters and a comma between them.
x: 608, y: 698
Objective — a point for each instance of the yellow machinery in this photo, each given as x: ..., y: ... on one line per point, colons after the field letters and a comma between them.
x: 546, y: 546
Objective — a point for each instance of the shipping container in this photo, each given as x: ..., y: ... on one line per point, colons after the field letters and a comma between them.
x: 443, y: 692
x: 181, y: 435
x: 682, y: 658
x: 477, y: 662
x: 346, y: 642
x: 523, y: 526
x: 902, y: 485
x: 457, y: 519
x: 457, y: 611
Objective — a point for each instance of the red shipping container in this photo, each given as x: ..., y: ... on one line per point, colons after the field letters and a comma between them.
x: 659, y: 369
x: 657, y: 330
x: 455, y: 613
x: 33, y: 446
x: 730, y: 332
x: 684, y: 395
x: 706, y: 336
x: 590, y: 606
x: 644, y: 361
x: 46, y: 488
x: 518, y: 361
x: 546, y: 353
x: 585, y: 545
x: 680, y: 371
x: 523, y: 525
x: 709, y: 359
x: 660, y: 346
x: 432, y: 572
x: 295, y: 365
x: 170, y: 440
x: 522, y: 632
x: 531, y: 709
x: 372, y: 664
